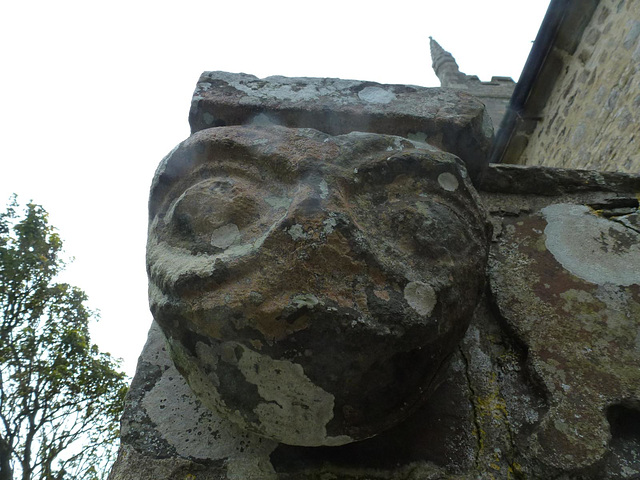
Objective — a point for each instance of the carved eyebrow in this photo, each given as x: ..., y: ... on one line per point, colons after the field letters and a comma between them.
x: 229, y: 169
x: 384, y: 169
x: 175, y: 180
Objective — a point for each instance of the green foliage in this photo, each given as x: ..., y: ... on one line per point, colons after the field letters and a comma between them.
x: 60, y: 397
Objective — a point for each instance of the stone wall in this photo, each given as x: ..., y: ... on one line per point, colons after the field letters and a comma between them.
x: 592, y: 119
x: 495, y: 95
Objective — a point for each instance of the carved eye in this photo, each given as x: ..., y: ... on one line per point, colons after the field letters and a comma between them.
x: 410, y: 216
x: 215, y: 214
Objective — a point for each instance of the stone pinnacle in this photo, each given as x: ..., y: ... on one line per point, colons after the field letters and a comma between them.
x: 445, y: 66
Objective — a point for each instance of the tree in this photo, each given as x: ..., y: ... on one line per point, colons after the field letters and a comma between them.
x: 60, y: 397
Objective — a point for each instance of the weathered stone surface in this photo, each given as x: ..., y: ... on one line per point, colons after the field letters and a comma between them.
x: 548, y: 181
x: 472, y: 427
x: 452, y: 120
x: 132, y: 465
x: 566, y: 279
x: 314, y: 290
x: 544, y: 384
x: 564, y: 276
x: 312, y: 287
x: 448, y: 435
x: 166, y: 433
x: 546, y: 381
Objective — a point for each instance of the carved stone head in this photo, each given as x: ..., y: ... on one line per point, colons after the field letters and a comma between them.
x: 312, y: 287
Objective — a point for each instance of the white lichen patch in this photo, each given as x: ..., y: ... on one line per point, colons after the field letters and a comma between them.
x: 185, y: 424
x: 421, y: 140
x: 280, y: 88
x: 305, y: 300
x: 419, y: 137
x: 448, y: 181
x: 278, y: 202
x: 296, y: 232
x: 592, y: 248
x: 399, y: 143
x: 421, y: 297
x: 324, y: 188
x: 263, y: 120
x: 329, y: 225
x: 157, y: 299
x: 376, y: 95
x: 169, y: 263
x: 208, y: 118
x: 203, y: 87
x: 238, y: 250
x: 225, y: 236
x: 294, y: 410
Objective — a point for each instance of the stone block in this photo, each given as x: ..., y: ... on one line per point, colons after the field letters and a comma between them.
x: 452, y: 120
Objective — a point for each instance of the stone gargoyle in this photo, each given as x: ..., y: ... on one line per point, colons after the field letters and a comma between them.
x: 312, y: 287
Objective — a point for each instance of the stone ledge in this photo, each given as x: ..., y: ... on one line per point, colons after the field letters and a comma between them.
x: 518, y: 179
x: 452, y: 120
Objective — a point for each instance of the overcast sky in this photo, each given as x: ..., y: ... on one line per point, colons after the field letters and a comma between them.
x: 94, y: 94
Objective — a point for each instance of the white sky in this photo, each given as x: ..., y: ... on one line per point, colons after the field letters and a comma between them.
x: 94, y: 94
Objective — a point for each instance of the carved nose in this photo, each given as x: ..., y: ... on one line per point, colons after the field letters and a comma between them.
x: 318, y: 232
x: 311, y: 212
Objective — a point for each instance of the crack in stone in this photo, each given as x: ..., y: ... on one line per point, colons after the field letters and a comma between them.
x: 474, y: 408
x: 626, y: 225
x: 511, y: 450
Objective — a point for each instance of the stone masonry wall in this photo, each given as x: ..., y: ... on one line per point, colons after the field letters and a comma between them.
x: 494, y: 94
x: 592, y: 118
